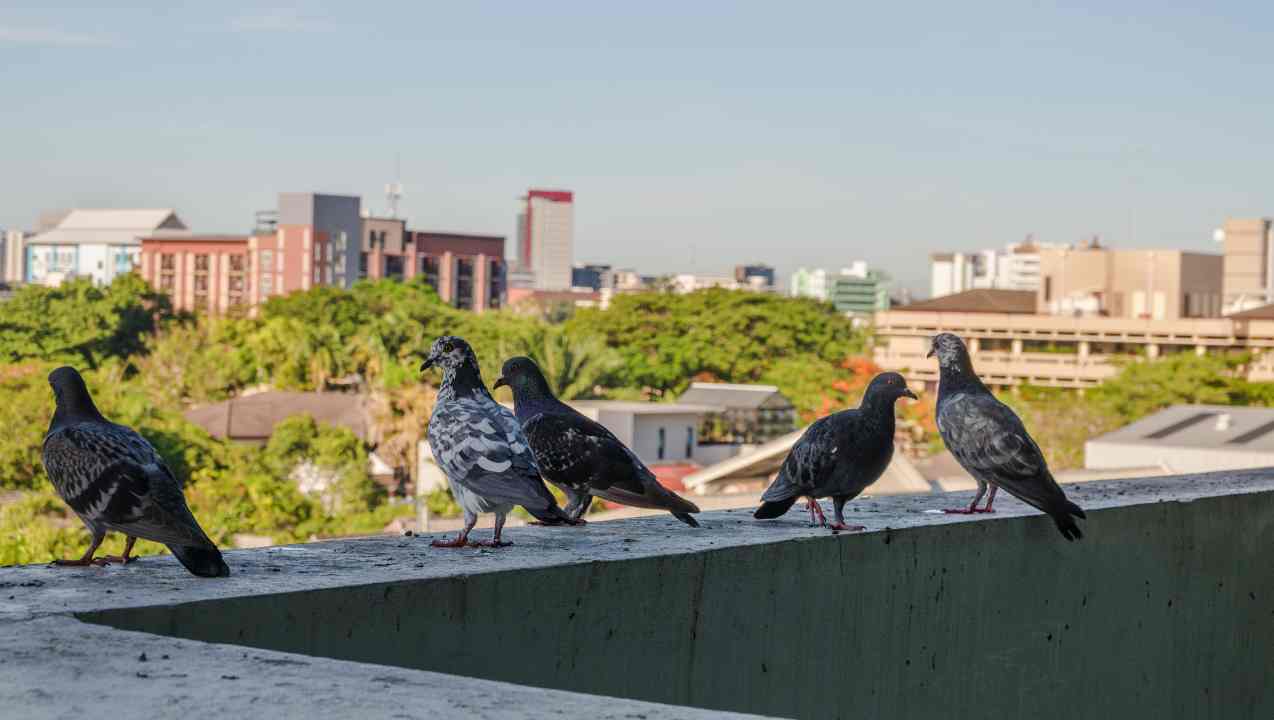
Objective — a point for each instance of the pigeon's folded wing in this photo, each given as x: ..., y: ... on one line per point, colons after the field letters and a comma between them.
x: 482, y: 447
x: 575, y: 447
x: 114, y: 477
x: 989, y: 441
x: 807, y: 465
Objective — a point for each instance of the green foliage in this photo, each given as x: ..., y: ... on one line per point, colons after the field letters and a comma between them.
x: 79, y: 323
x: 1142, y: 388
x: 333, y: 453
x: 668, y: 340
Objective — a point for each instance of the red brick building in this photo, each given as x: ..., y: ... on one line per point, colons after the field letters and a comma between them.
x: 467, y: 271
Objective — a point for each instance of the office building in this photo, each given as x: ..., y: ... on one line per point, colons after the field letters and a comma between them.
x: 1150, y: 284
x: 812, y: 283
x: 98, y: 244
x: 1249, y: 264
x: 316, y: 243
x: 592, y: 277
x: 467, y: 270
x: 755, y: 277
x: 546, y: 238
x: 861, y: 292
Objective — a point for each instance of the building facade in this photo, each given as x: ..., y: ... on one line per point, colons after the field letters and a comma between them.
x: 1249, y: 264
x: 860, y: 294
x: 1015, y: 267
x: 317, y: 243
x: 200, y: 273
x: 1147, y: 284
x: 13, y: 257
x: 98, y: 244
x: 468, y: 271
x: 546, y: 238
x: 755, y: 277
x: 592, y: 277
x: 811, y: 283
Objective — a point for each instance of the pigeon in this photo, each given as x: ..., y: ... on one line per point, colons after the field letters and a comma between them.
x: 481, y: 448
x: 990, y: 442
x: 839, y: 455
x: 115, y: 480
x: 580, y: 455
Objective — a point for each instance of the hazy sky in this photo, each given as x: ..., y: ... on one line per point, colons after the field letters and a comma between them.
x: 695, y: 134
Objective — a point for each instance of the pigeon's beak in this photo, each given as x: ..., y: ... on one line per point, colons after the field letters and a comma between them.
x: 499, y: 383
x: 906, y: 392
x: 931, y: 352
x: 428, y: 363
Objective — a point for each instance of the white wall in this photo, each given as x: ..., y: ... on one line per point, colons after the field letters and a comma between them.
x: 646, y: 437
x: 1178, y: 460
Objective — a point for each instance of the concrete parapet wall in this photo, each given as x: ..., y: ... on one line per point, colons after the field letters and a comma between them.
x: 1165, y: 609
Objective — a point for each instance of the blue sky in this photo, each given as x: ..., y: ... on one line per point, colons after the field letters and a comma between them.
x: 696, y: 135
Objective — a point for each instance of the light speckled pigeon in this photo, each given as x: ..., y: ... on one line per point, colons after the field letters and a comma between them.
x: 115, y: 480
x: 580, y: 455
x: 839, y: 455
x: 481, y: 447
x: 990, y: 442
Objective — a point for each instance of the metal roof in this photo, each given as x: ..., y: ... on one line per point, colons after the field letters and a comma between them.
x: 727, y: 395
x: 1015, y: 302
x: 108, y: 227
x: 253, y: 417
x: 643, y: 408
x: 1215, y: 427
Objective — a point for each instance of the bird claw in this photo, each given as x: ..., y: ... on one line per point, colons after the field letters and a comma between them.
x: 842, y: 527
x: 459, y: 542
x: 98, y: 562
x: 494, y: 543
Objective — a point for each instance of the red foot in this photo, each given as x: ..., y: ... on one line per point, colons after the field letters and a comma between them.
x: 494, y: 543
x: 99, y: 562
x: 968, y: 511
x: 459, y: 542
x: 847, y: 528
x: 816, y: 514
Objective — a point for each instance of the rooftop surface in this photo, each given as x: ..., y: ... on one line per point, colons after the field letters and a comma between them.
x: 253, y: 417
x: 734, y: 395
x: 1216, y: 427
x: 1012, y: 302
x: 56, y: 664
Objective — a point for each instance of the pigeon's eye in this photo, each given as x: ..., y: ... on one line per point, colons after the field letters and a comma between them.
x: 448, y: 347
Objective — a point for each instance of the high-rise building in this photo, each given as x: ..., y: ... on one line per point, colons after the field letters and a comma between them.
x: 592, y: 277
x: 546, y: 238
x: 468, y: 271
x: 755, y: 277
x: 13, y: 257
x: 860, y: 291
x: 1248, y: 280
x: 318, y: 242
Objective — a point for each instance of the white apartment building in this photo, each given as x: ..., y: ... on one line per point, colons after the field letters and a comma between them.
x: 819, y: 282
x: 1016, y: 267
x: 100, y: 244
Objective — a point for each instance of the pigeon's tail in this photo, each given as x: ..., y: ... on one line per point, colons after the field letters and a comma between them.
x: 201, y: 561
x: 771, y: 509
x: 1066, y: 523
x: 686, y: 518
x: 551, y: 515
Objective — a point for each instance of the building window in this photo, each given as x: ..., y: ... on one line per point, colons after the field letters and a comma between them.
x: 167, y: 282
x: 267, y: 261
x: 1048, y: 288
x: 464, y: 284
x: 394, y: 267
x: 167, y: 261
x: 236, y: 263
x: 661, y: 450
x: 267, y: 284
x: 495, y: 284
x: 429, y: 270
x: 362, y: 262
x: 690, y: 442
x: 201, y: 263
x: 201, y: 284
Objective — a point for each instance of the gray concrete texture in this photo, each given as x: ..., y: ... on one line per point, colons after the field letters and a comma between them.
x: 1165, y: 609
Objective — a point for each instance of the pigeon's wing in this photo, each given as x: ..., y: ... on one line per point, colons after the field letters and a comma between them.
x: 807, y: 465
x: 988, y: 439
x: 575, y: 450
x: 480, y: 446
x: 112, y: 477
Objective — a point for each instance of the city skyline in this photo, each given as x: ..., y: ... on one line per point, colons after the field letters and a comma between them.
x: 806, y: 138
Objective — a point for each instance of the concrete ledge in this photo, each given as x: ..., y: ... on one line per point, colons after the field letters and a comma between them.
x: 1165, y: 609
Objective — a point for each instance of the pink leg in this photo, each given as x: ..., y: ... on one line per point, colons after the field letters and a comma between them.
x: 990, y: 499
x: 462, y: 540
x: 973, y: 506
x: 816, y: 511
x: 495, y: 541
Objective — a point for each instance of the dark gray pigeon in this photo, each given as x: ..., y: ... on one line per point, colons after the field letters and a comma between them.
x: 839, y: 455
x: 990, y: 442
x: 114, y: 480
x: 580, y: 455
x: 481, y: 448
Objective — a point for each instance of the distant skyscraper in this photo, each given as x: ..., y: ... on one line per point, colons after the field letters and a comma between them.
x: 546, y: 237
x: 755, y: 277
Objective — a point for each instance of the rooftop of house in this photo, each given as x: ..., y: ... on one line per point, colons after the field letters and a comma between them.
x: 1222, y: 428
x: 642, y: 408
x: 1012, y: 302
x: 729, y: 395
x: 253, y: 417
x: 115, y: 227
x: 1265, y: 312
